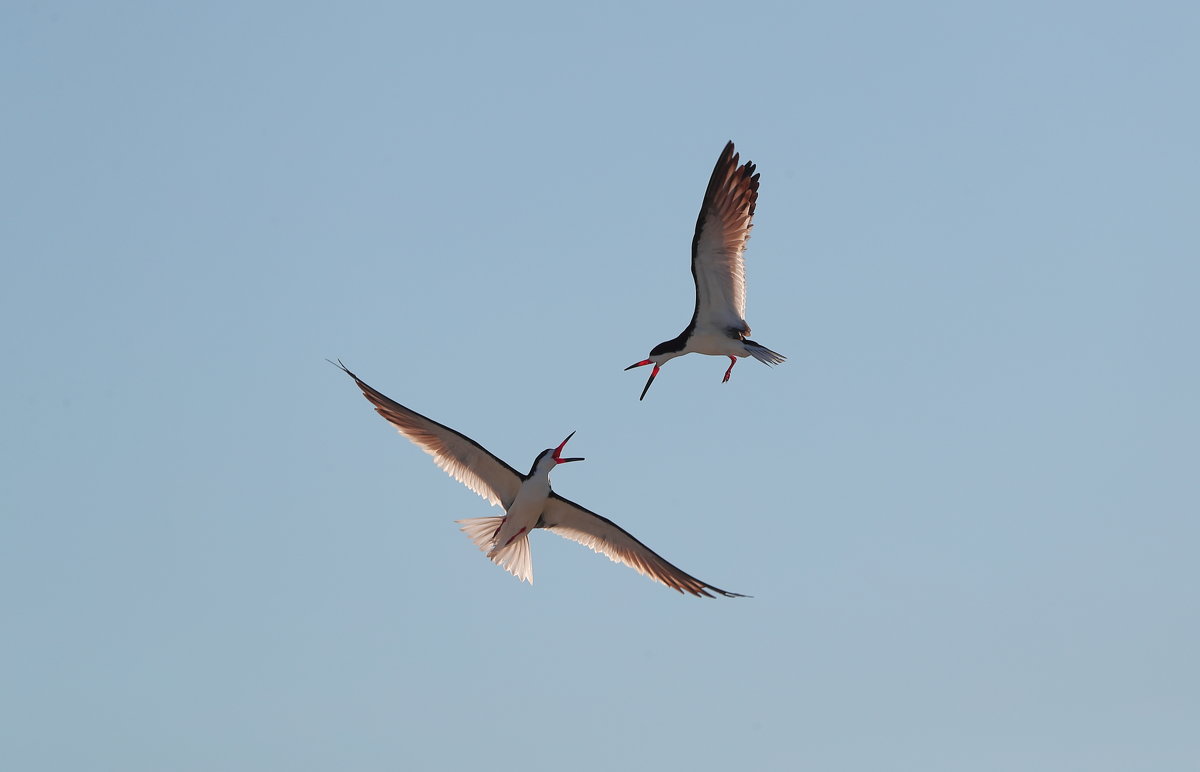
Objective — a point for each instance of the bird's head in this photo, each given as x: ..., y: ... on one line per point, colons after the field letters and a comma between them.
x: 659, y: 356
x: 550, y: 458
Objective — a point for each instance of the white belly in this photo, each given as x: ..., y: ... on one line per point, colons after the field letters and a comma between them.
x: 716, y: 344
x: 524, y: 512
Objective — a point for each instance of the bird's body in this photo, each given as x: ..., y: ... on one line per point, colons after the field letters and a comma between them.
x: 507, y: 544
x: 718, y: 326
x: 528, y: 500
x: 727, y: 342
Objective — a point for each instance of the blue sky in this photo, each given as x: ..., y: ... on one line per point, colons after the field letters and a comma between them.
x: 966, y: 506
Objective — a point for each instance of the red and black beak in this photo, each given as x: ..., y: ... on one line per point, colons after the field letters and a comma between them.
x: 649, y: 380
x: 558, y: 450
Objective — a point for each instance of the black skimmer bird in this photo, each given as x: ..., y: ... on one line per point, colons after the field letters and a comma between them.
x: 718, y: 325
x: 528, y: 502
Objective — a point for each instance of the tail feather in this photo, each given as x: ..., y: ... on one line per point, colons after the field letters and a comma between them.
x: 481, y: 530
x: 763, y: 354
x: 514, y: 557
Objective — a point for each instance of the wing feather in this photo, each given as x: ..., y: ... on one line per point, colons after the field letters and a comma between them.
x: 571, y: 521
x: 719, y: 246
x: 461, y: 457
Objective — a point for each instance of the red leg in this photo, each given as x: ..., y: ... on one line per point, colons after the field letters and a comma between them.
x: 732, y: 362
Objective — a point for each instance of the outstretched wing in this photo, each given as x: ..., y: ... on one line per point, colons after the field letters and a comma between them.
x: 463, y: 458
x: 719, y: 246
x: 571, y: 521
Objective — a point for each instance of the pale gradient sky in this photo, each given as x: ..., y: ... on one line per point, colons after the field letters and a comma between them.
x: 966, y: 506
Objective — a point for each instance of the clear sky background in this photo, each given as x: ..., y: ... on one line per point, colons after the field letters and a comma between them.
x: 966, y: 507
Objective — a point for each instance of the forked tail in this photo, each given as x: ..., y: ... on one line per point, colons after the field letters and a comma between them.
x: 513, y: 557
x: 763, y: 354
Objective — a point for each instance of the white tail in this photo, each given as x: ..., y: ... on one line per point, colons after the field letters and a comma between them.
x: 763, y: 354
x: 514, y: 557
x: 481, y: 530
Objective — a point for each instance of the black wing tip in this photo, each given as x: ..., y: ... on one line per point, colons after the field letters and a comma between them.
x: 728, y: 171
x: 702, y: 591
x: 338, y: 364
x: 368, y: 391
x: 730, y: 156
